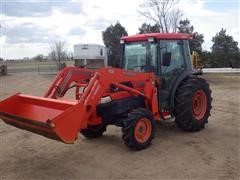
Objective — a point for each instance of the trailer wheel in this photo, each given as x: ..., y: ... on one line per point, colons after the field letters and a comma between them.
x: 138, y: 129
x: 93, y: 131
x: 192, y: 104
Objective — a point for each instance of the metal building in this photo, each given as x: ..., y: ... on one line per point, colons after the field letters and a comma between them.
x: 90, y: 55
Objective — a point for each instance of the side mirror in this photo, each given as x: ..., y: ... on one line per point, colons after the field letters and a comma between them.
x: 166, y: 59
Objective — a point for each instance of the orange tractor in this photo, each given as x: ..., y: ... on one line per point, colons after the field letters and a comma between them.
x: 156, y: 82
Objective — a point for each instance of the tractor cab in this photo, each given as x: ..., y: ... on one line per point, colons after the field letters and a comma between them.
x: 167, y: 55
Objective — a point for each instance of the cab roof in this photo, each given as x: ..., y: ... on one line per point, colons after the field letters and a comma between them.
x: 144, y: 37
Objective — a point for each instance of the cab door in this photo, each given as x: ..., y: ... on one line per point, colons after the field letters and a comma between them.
x: 170, y: 72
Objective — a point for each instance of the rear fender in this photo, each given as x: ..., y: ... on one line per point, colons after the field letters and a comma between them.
x: 178, y: 81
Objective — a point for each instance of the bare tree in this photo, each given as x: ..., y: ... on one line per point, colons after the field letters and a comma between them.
x: 58, y: 52
x: 163, y: 13
x: 175, y: 17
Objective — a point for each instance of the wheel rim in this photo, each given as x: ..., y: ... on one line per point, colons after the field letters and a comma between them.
x: 142, y: 130
x: 199, y: 104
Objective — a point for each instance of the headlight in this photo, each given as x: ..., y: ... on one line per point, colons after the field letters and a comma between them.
x: 122, y: 41
x: 151, y: 39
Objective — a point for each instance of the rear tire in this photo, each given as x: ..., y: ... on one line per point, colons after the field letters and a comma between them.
x: 192, y: 104
x: 138, y: 129
x: 93, y: 131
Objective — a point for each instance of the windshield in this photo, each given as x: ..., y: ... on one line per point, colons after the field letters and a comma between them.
x: 140, y: 56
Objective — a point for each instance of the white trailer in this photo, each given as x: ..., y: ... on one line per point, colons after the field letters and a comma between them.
x: 90, y: 55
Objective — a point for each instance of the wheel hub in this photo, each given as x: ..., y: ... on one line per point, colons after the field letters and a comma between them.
x: 142, y: 130
x: 199, y: 104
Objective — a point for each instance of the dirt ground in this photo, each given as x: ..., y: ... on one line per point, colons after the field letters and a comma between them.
x: 209, y: 154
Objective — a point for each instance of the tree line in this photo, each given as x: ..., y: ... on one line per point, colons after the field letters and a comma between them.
x: 224, y: 51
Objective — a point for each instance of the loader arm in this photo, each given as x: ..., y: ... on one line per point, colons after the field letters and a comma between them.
x: 65, y: 78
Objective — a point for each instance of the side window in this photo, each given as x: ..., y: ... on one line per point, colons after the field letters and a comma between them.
x: 101, y: 52
x: 177, y: 60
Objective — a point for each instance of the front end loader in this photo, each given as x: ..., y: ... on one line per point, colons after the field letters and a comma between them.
x: 59, y: 119
x: 156, y: 82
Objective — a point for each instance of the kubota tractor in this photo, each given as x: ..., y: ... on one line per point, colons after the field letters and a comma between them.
x: 156, y: 81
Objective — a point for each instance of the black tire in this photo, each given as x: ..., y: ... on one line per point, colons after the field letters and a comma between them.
x: 93, y: 131
x: 185, y: 115
x: 129, y: 124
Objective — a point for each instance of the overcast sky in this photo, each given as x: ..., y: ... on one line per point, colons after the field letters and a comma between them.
x: 27, y: 27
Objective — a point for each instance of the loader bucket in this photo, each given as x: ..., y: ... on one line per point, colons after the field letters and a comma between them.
x: 52, y: 118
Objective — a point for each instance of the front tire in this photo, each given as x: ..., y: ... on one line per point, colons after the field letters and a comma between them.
x: 192, y: 104
x: 138, y: 129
